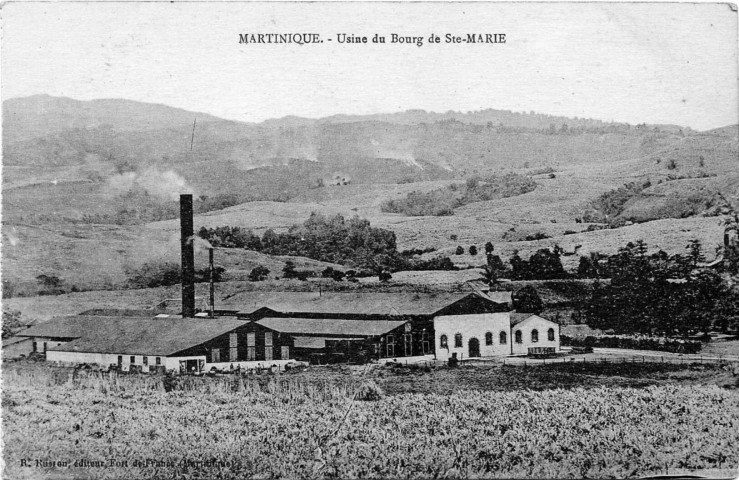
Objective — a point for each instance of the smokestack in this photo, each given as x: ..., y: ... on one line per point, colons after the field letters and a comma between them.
x: 188, y: 256
x: 212, y: 284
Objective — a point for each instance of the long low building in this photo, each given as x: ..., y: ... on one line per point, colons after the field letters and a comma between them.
x: 280, y: 327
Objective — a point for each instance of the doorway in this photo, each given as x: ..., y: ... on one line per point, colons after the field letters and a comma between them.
x: 474, y: 347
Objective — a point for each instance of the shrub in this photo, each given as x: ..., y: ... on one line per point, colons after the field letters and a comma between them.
x: 632, y: 343
x: 155, y: 274
x: 258, y: 273
x: 473, y: 250
x: 459, y: 251
x: 370, y: 392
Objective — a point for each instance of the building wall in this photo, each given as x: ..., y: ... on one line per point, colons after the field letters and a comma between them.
x: 472, y: 326
x: 244, y: 352
x: 50, y: 342
x: 16, y: 350
x: 542, y: 326
x: 110, y: 359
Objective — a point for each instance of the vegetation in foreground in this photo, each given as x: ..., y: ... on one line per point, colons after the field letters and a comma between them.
x: 313, y: 425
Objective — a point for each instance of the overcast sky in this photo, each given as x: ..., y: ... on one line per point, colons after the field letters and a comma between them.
x: 654, y: 63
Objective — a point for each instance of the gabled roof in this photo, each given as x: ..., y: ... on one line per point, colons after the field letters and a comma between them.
x: 133, y: 336
x: 14, y: 340
x: 323, y: 326
x: 519, y: 318
x: 75, y: 326
x: 354, y: 303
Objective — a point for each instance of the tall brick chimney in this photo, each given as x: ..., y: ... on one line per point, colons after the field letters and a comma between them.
x: 188, y: 256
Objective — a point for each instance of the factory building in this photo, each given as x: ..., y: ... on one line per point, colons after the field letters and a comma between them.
x: 275, y: 328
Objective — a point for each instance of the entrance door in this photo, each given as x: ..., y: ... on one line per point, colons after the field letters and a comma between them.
x: 192, y: 366
x: 474, y: 347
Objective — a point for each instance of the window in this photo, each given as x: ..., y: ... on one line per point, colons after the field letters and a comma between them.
x: 120, y: 359
x: 133, y: 359
x: 146, y: 360
x: 285, y: 353
x: 550, y: 335
x: 425, y: 342
x: 489, y: 338
x: 44, y: 347
x: 251, y: 349
x: 518, y: 337
x: 458, y: 340
x: 35, y: 347
x: 268, y: 353
x: 215, y: 355
x: 232, y: 347
x: 267, y: 339
x: 534, y: 336
x: 158, y: 360
x: 503, y: 338
x: 443, y: 341
x: 390, y: 345
x: 408, y: 340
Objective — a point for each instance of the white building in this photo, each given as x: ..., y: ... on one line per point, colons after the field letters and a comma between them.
x: 494, y: 334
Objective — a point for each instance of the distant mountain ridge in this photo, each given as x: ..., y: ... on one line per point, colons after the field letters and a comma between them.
x: 40, y: 115
x: 124, y: 155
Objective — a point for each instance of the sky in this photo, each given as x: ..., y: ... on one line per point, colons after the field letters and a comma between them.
x: 653, y: 63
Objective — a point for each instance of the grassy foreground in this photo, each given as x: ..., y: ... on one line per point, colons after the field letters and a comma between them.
x: 307, y: 425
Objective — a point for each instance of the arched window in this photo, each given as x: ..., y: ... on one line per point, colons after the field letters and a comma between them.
x: 457, y: 340
x: 443, y: 342
x: 550, y: 335
x: 534, y: 336
x: 489, y: 338
x: 503, y: 338
x: 518, y: 337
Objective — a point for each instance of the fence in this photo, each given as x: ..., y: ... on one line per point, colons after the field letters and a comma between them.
x: 630, y: 359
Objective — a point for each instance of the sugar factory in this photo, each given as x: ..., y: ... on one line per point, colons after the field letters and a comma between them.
x: 266, y: 329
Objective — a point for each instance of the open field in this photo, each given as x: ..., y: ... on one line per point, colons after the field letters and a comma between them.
x: 471, y: 422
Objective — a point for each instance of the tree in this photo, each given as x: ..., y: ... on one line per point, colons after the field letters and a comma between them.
x: 489, y: 248
x: 384, y: 276
x: 289, y: 271
x: 546, y: 264
x: 258, y: 273
x: 11, y: 323
x: 493, y: 268
x: 528, y: 300
x: 459, y: 251
x: 473, y: 250
x: 694, y: 252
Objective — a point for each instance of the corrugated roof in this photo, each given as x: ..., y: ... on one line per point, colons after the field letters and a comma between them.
x: 327, y: 326
x: 134, y: 336
x: 13, y: 340
x: 309, y: 342
x: 353, y: 303
x: 74, y: 326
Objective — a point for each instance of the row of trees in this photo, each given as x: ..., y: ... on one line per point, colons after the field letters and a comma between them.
x: 352, y: 242
x: 443, y: 201
x: 662, y: 295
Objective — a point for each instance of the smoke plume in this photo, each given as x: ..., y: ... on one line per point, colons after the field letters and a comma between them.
x: 167, y: 185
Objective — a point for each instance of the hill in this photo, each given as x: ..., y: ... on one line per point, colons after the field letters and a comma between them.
x: 90, y: 188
